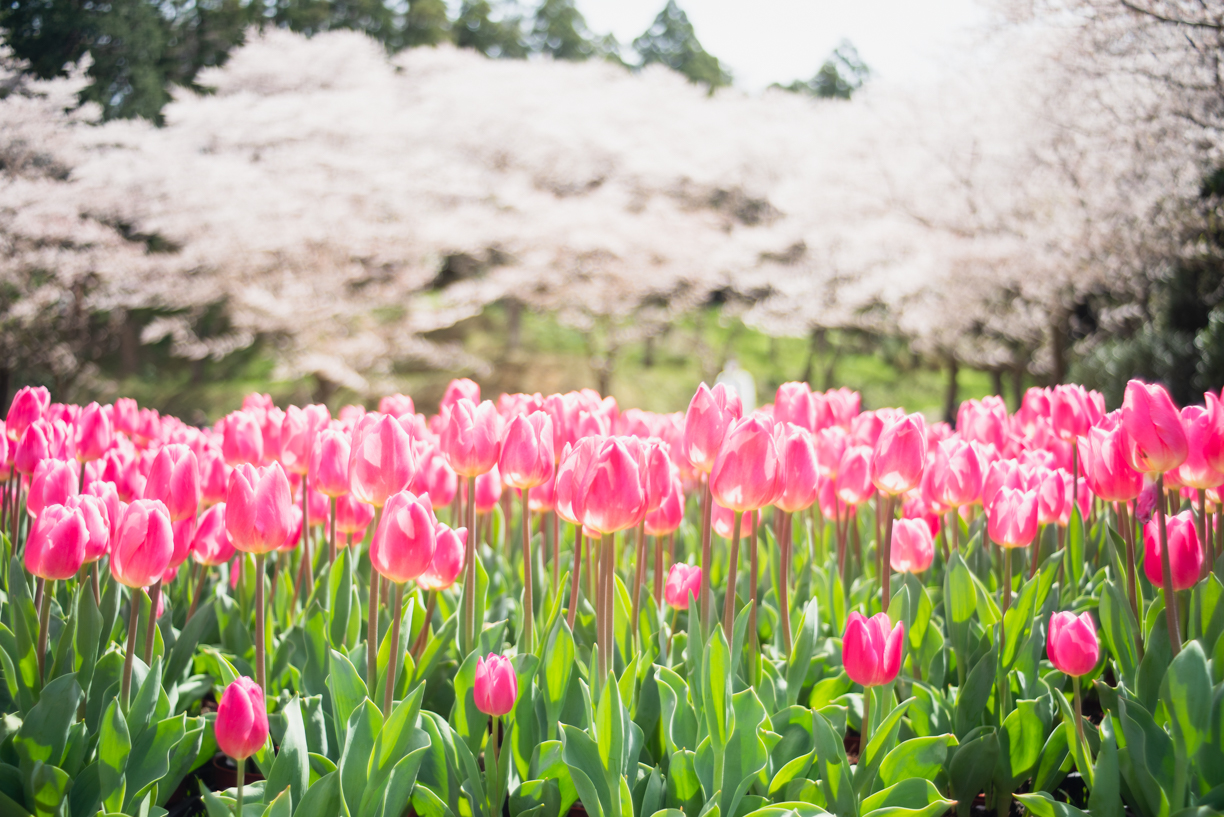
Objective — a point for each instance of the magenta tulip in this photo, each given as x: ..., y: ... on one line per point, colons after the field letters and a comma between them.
x: 258, y: 508
x: 27, y: 408
x: 710, y: 414
x: 956, y: 473
x: 56, y: 547
x: 1072, y: 644
x: 242, y: 719
x: 899, y: 456
x: 94, y: 433
x: 211, y: 545
x: 447, y: 562
x: 1070, y: 411
x: 54, y: 481
x: 97, y: 516
x: 871, y: 649
x: 298, y: 433
x: 496, y: 686
x: 404, y: 542
x: 1185, y: 553
x: 1156, y: 439
x: 682, y: 581
x: 353, y: 516
x: 795, y: 403
x: 610, y: 496
x: 913, y: 546
x: 527, y: 451
x: 1012, y: 520
x: 1196, y: 471
x: 381, y: 462
x: 1052, y: 497
x: 242, y: 441
x: 746, y: 474
x: 143, y: 544
x: 175, y: 480
x: 1102, y: 455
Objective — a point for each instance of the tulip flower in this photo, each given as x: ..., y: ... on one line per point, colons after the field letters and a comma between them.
x: 175, y: 480
x: 913, y: 546
x: 214, y: 476
x: 1070, y: 411
x: 1157, y: 439
x: 126, y: 415
x: 956, y: 473
x: 611, y: 496
x: 540, y: 499
x: 396, y: 405
x: 97, y: 516
x: 27, y: 408
x: 984, y: 421
x: 381, y: 463
x: 405, y: 539
x: 795, y: 403
x: 140, y: 554
x: 1072, y: 646
x: 1106, y: 468
x: 723, y: 523
x: 32, y: 448
x: 670, y: 513
x: 1052, y: 497
x: 243, y: 440
x: 258, y: 507
x: 496, y: 686
x: 211, y: 545
x: 57, y: 543
x: 797, y: 481
x: 242, y: 725
x: 1012, y: 522
x: 527, y: 451
x: 94, y: 433
x: 53, y: 483
x: 330, y: 463
x: 447, y: 561
x: 899, y: 456
x: 1185, y: 555
x: 842, y: 406
x: 471, y: 437
x: 710, y: 414
x: 298, y: 432
x: 853, y: 483
x: 871, y: 655
x: 1213, y: 440
x: 353, y: 516
x: 458, y: 389
x: 683, y: 581
x: 488, y: 490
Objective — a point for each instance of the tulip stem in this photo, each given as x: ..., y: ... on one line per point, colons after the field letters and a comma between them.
x: 886, y: 554
x: 201, y: 580
x: 44, y: 621
x: 238, y: 803
x: 556, y: 551
x: 493, y: 745
x: 1128, y: 537
x: 125, y: 686
x: 733, y: 564
x: 331, y: 539
x: 573, y: 599
x: 1204, y: 543
x: 675, y: 622
x: 1170, y: 598
x: 372, y: 617
x: 1079, y: 720
x: 93, y: 580
x: 423, y: 638
x: 707, y: 509
x: 394, y: 651
x: 1004, y: 684
x: 785, y: 550
x: 260, y: 629
x: 865, y: 737
x: 468, y: 619
x: 528, y: 601
x: 151, y: 628
x: 754, y: 579
x: 638, y: 579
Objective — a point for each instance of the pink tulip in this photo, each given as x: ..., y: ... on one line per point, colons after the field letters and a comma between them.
x: 984, y: 421
x: 214, y: 476
x: 1083, y: 495
x: 899, y: 456
x: 527, y: 451
x: 330, y: 463
x: 396, y: 405
x: 143, y: 544
x: 1156, y: 439
x: 353, y: 516
x: 126, y: 415
x: 94, y: 433
x: 682, y: 581
x: 573, y: 465
x: 56, y: 547
x: 435, y: 478
x: 868, y: 426
x: 496, y: 686
x: 853, y: 483
x: 656, y: 469
x: 1003, y: 474
x: 668, y: 516
x: 405, y: 539
x: 795, y: 403
x: 831, y: 444
x: 97, y: 518
x: 1012, y: 521
x: 1196, y: 472
x: 746, y: 474
x: 459, y: 389
x: 913, y: 547
x: 242, y: 719
x: 871, y: 649
x: 1213, y: 440
x: 1102, y: 456
x: 243, y: 440
x: 1072, y: 644
x: 471, y: 437
x: 1052, y: 497
x: 1070, y: 411
x: 710, y: 414
x: 211, y: 545
x: 955, y: 473
x: 1185, y: 553
x: 541, y: 498
x: 381, y: 463
x: 53, y: 483
x: 798, y: 479
x: 843, y: 406
x: 723, y: 521
x: 447, y: 562
x: 32, y: 448
x: 298, y: 433
x: 175, y: 480
x: 488, y: 490
x: 28, y: 406
x: 610, y: 496
x: 258, y: 508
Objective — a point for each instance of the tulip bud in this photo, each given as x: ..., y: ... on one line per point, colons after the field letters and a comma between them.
x: 745, y: 476
x: 143, y: 544
x: 496, y: 686
x: 211, y: 545
x: 97, y: 518
x: 1052, y: 497
x: 27, y: 408
x: 471, y: 437
x: 488, y: 490
x: 448, y: 558
x: 396, y: 405
x: 330, y: 463
x: 527, y: 451
x: 1102, y: 456
x: 243, y: 439
x: 405, y: 540
x: 242, y: 719
x: 53, y: 483
x: 955, y: 474
x: 1185, y: 553
x: 913, y: 546
x: 899, y: 456
x: 94, y: 433
x: 871, y: 649
x: 1013, y: 518
x: 175, y: 480
x: 459, y: 389
x: 682, y: 581
x: 668, y: 516
x: 610, y: 496
x: 853, y: 482
x: 258, y: 504
x: 1154, y: 432
x: 56, y: 547
x: 353, y: 516
x: 1072, y: 643
x: 1196, y: 471
x: 710, y: 413
x: 380, y: 461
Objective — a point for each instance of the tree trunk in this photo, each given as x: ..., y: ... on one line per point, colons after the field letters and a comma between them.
x: 5, y: 374
x: 648, y: 354
x: 996, y: 382
x: 815, y: 348
x: 1058, y: 346
x: 129, y: 346
x: 1017, y: 374
x: 514, y: 324
x: 950, y: 396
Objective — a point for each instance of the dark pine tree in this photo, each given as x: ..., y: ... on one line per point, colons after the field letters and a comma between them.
x: 671, y: 40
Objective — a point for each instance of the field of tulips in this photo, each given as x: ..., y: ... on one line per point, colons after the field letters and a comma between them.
x: 544, y: 606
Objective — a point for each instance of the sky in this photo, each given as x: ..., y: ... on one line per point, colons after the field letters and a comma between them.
x: 765, y: 41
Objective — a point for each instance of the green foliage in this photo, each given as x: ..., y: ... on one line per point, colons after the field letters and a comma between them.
x: 671, y: 41
x: 839, y: 77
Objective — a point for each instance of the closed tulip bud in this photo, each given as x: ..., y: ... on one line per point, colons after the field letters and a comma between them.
x: 471, y: 437
x: 1002, y: 474
x: 1070, y: 411
x: 611, y: 496
x: 53, y: 483
x: 682, y: 581
x: 798, y: 478
x: 1196, y: 471
x: 568, y: 480
x: 404, y: 542
x: 1156, y: 439
x: 1072, y: 644
x: 298, y: 432
x: 353, y: 516
x: 1102, y: 456
x: 913, y: 547
x: 656, y: 469
x: 1012, y: 522
x: 867, y: 427
x: 396, y: 405
x: 381, y: 463
x: 723, y: 521
x: 853, y: 483
x: 1185, y: 553
x: 527, y: 451
x: 871, y: 649
x: 1052, y: 497
x: 242, y: 442
x: 27, y: 408
x: 843, y: 406
x: 899, y: 456
x: 496, y: 686
x: 56, y: 547
x: 541, y: 498
x: 448, y: 558
x: 143, y: 544
x: 437, y: 480
x: 175, y: 480
x: 831, y: 444
x: 794, y: 403
x: 126, y: 415
x: 1213, y: 439
x: 242, y: 719
x: 214, y: 476
x: 668, y: 516
x: 488, y: 490
x: 94, y: 433
x: 460, y: 388
x: 956, y: 473
x: 258, y: 508
x: 746, y: 473
x: 329, y: 463
x: 984, y: 421
x: 32, y: 448
x: 97, y: 518
x: 710, y: 414
x: 211, y: 545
